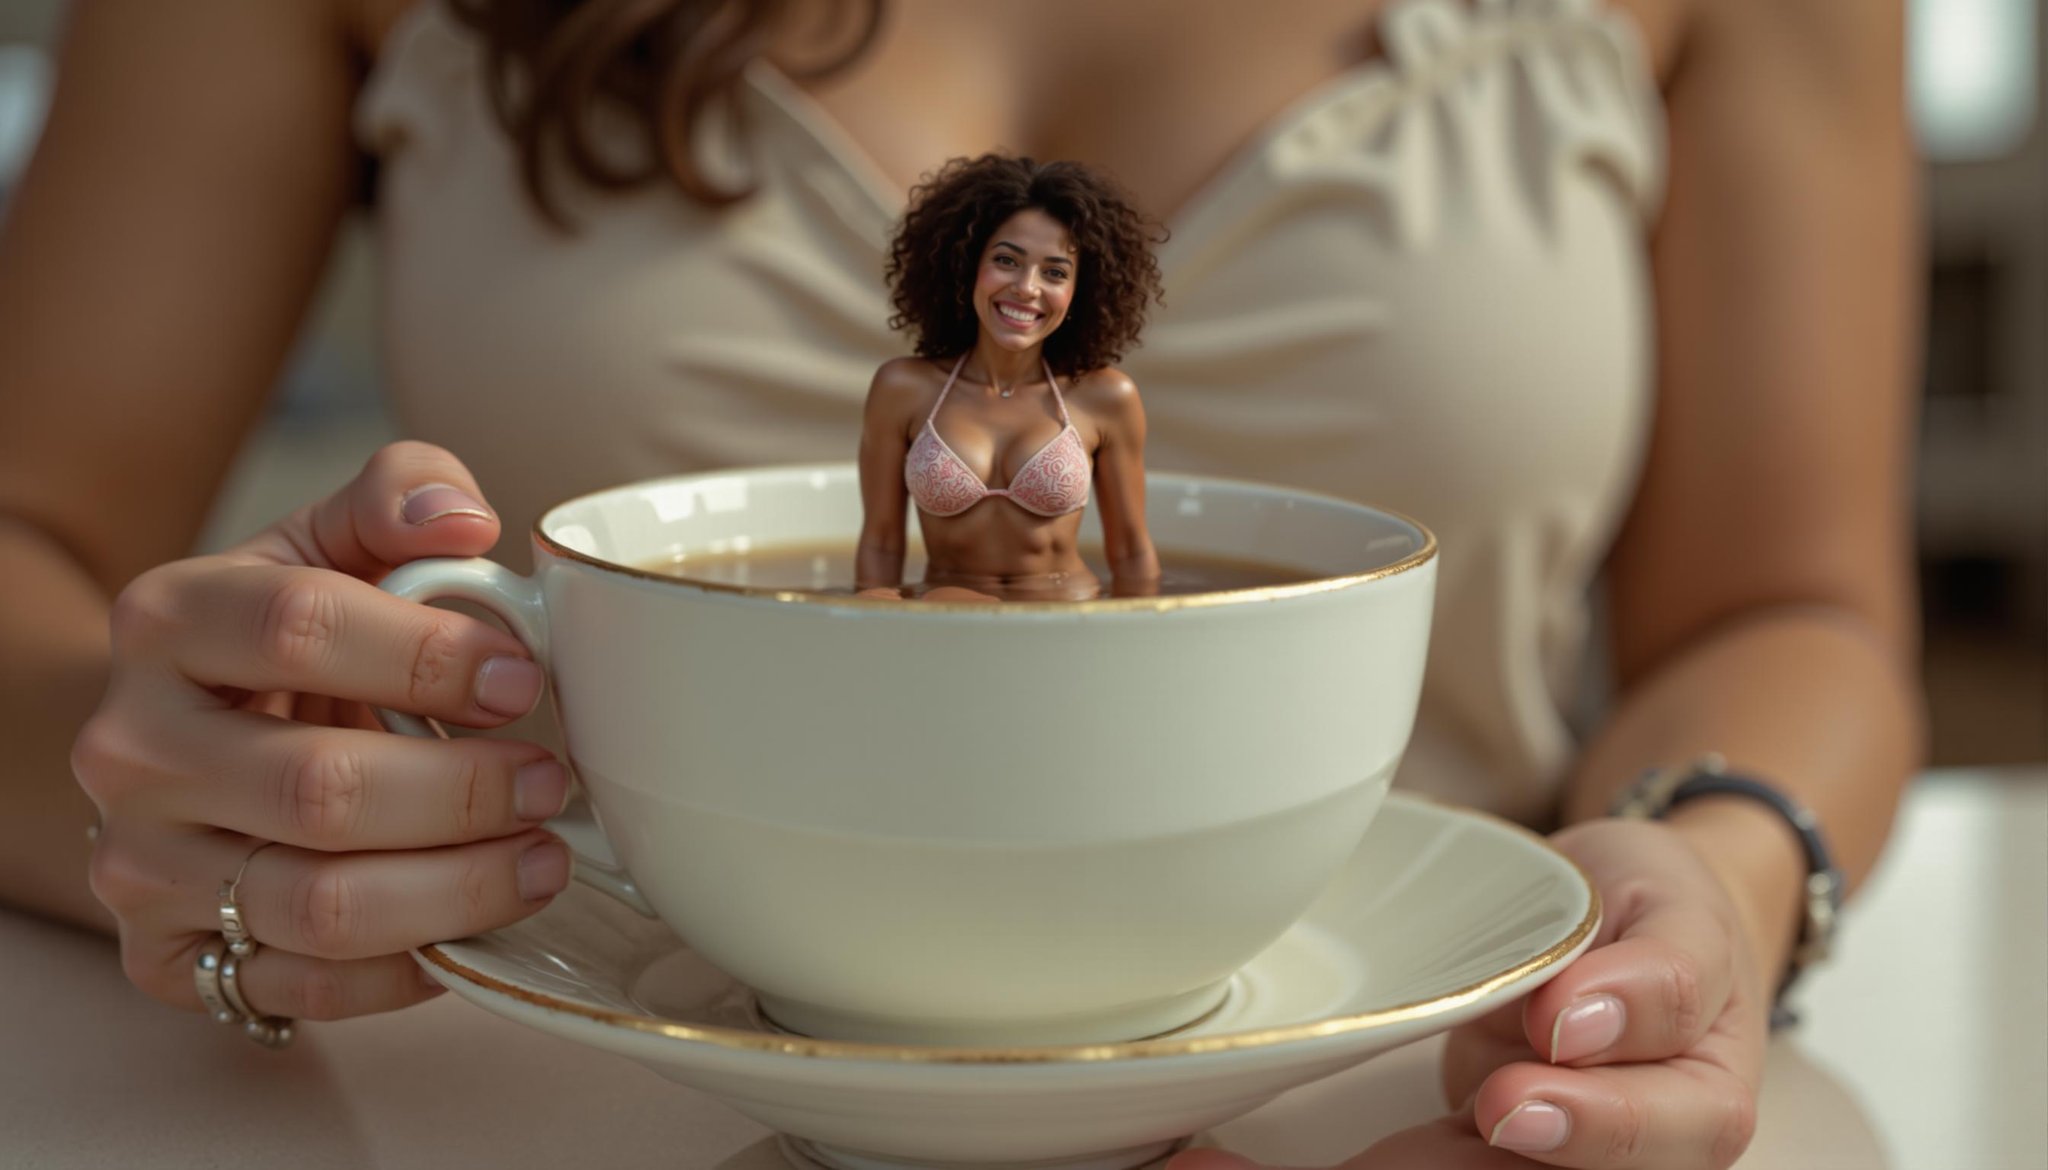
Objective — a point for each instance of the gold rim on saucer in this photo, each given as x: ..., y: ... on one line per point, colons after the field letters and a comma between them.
x: 1172, y: 1045
x: 1101, y: 605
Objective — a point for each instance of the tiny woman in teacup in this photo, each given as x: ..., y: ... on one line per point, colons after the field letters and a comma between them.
x: 1023, y: 284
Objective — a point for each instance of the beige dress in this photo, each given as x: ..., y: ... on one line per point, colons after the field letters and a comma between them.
x: 1424, y: 285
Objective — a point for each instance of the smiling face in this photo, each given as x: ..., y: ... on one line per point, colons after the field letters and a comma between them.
x: 1026, y: 280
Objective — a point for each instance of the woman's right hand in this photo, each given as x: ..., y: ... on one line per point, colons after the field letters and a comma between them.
x: 237, y: 715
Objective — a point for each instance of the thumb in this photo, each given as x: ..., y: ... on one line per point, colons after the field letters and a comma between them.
x: 411, y: 500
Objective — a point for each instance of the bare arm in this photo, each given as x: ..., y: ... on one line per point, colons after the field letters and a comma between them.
x: 153, y: 270
x: 892, y: 398
x: 1761, y: 591
x: 1112, y: 399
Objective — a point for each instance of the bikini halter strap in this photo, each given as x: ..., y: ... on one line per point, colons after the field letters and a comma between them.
x: 1050, y: 380
x: 946, y: 389
x: 1058, y: 401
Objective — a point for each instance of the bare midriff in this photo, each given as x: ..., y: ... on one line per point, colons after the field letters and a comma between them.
x: 1039, y: 554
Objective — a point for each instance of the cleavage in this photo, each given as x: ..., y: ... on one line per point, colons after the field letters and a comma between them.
x: 997, y: 452
x: 1043, y: 94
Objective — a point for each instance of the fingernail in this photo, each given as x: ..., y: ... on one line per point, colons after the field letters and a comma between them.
x: 539, y: 790
x: 1590, y: 1025
x: 426, y: 504
x: 543, y: 871
x: 1533, y: 1127
x: 507, y: 685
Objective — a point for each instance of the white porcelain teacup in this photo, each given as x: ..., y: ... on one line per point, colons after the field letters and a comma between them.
x: 970, y: 823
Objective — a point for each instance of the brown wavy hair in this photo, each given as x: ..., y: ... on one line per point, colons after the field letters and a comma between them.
x: 933, y: 259
x: 666, y: 66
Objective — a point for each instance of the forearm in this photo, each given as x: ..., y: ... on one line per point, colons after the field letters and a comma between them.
x: 1137, y: 574
x: 877, y: 564
x: 1809, y: 699
x: 1131, y: 556
x: 53, y: 662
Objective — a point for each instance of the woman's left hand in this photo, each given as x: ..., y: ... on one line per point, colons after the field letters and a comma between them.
x: 1646, y: 1052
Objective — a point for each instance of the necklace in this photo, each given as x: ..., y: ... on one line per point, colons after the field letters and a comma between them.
x: 1001, y: 390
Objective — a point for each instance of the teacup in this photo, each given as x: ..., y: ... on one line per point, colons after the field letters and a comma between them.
x: 969, y: 822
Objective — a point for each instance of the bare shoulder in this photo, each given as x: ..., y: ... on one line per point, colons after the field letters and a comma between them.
x: 1828, y: 35
x: 905, y: 376
x: 903, y: 386
x: 1837, y: 16
x: 1677, y: 34
x: 1108, y: 392
x: 1108, y: 399
x: 1832, y: 71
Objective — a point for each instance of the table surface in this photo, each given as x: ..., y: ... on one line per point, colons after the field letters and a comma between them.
x: 1925, y: 1046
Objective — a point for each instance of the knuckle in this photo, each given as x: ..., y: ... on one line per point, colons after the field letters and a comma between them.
x: 326, y: 913
x: 408, y: 455
x: 316, y: 993
x: 1629, y: 1133
x: 474, y: 805
x: 473, y: 891
x: 1683, y: 996
x: 119, y: 879
x: 1631, y: 894
x: 145, y: 609
x: 1734, y: 1128
x: 436, y: 658
x: 325, y: 789
x: 91, y: 753
x: 104, y: 879
x: 153, y: 979
x: 299, y: 623
x: 101, y: 760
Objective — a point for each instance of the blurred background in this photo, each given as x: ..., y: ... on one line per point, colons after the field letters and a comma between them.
x: 1976, y: 83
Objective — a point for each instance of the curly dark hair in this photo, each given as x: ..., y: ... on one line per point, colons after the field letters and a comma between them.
x: 933, y: 259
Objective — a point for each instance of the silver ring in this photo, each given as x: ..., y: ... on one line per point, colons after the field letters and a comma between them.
x: 269, y: 1031
x: 272, y: 1033
x: 231, y: 986
x: 206, y: 980
x: 232, y: 928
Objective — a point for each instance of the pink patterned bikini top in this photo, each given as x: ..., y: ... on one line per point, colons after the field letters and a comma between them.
x: 1052, y: 482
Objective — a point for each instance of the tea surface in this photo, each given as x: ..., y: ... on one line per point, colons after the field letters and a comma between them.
x: 828, y: 568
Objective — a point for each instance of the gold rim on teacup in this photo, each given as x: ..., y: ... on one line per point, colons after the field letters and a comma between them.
x: 1178, y: 1045
x: 1101, y: 605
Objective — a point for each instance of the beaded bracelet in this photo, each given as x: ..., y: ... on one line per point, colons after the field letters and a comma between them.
x: 1660, y: 790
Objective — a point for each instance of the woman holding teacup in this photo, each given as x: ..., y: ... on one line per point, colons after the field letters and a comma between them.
x: 1424, y: 273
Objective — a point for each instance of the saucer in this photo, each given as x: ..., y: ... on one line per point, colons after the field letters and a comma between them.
x: 1440, y: 915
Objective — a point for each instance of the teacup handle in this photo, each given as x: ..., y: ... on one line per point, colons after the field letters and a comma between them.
x: 518, y: 601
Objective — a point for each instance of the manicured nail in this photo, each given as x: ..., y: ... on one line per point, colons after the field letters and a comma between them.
x: 1533, y: 1127
x: 1588, y: 1026
x: 507, y: 685
x: 543, y: 871
x: 424, y: 505
x: 540, y: 789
